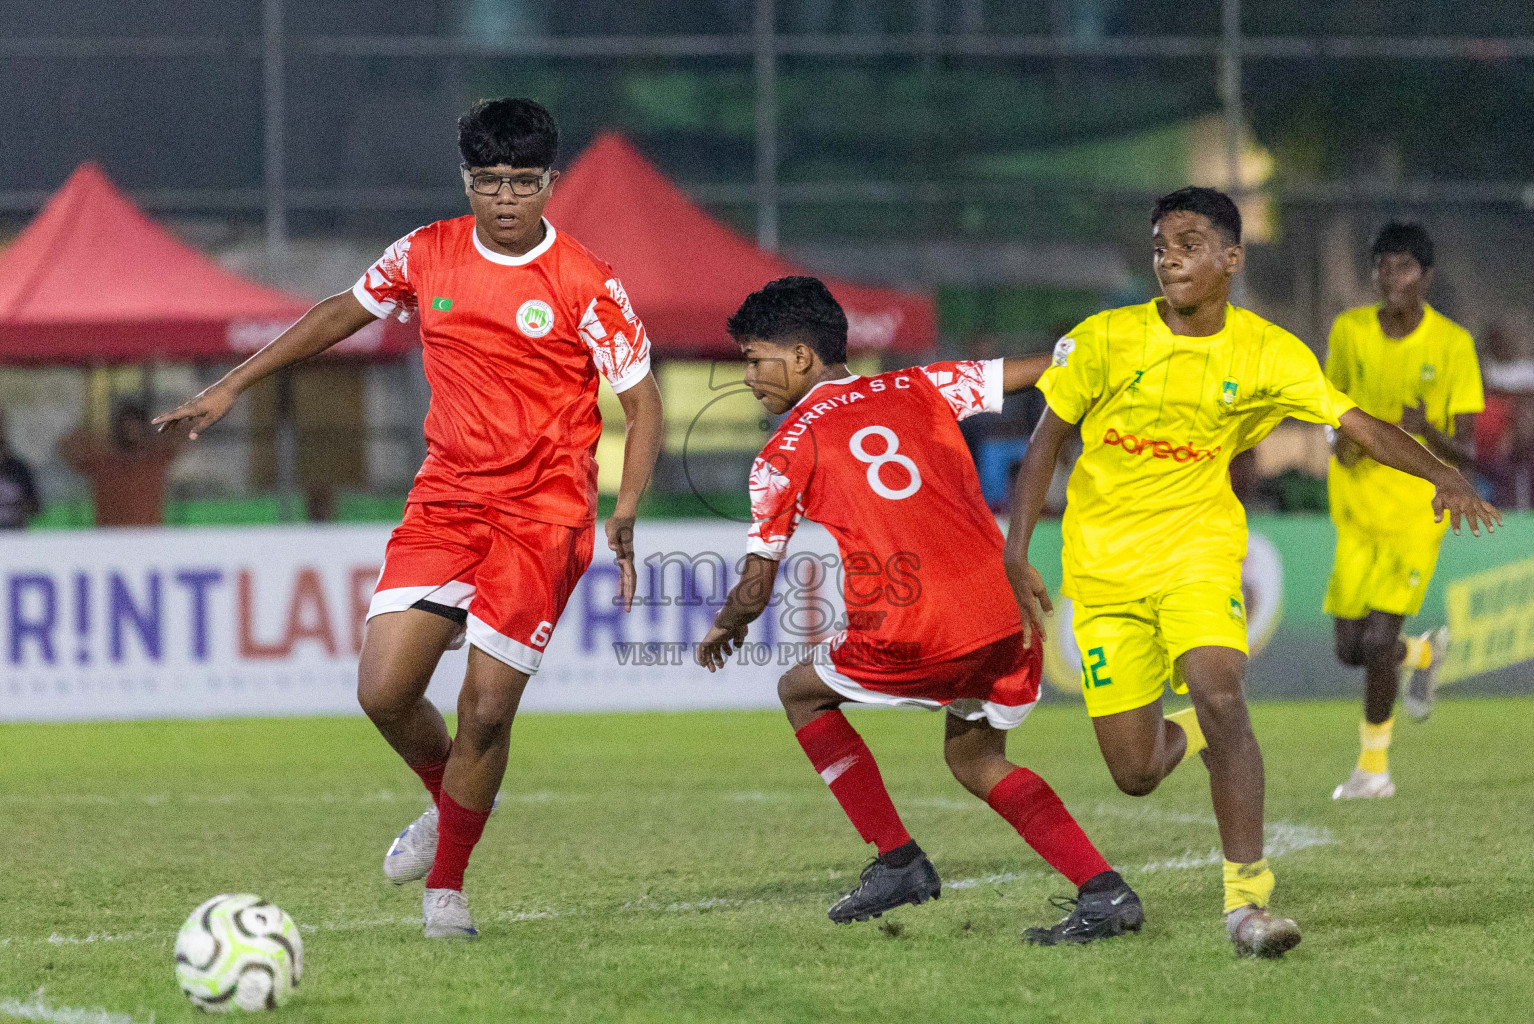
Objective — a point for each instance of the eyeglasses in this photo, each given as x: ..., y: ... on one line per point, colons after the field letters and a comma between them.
x: 522, y: 185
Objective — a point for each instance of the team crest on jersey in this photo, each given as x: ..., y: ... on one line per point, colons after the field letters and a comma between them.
x: 1235, y: 609
x: 1228, y: 390
x: 535, y: 318
x: 1063, y: 349
x: 1429, y: 372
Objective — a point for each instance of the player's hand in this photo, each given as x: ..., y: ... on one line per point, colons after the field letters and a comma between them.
x: 1456, y: 497
x: 718, y: 645
x: 198, y: 414
x: 620, y: 540
x: 1032, y: 599
x: 1414, y: 418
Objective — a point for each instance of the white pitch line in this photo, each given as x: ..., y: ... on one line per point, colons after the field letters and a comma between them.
x: 40, y: 1011
x: 1280, y: 838
x: 55, y: 939
x: 998, y: 879
x: 1147, y: 812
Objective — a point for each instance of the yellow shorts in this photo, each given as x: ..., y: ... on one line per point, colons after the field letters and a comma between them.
x: 1128, y: 650
x: 1381, y: 573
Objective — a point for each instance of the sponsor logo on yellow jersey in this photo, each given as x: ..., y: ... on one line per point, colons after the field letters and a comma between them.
x: 1159, y: 449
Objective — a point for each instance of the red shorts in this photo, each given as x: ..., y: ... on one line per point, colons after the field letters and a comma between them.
x: 512, y: 575
x: 998, y: 682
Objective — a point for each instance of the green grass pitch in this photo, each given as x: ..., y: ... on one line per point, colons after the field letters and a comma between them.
x: 677, y: 867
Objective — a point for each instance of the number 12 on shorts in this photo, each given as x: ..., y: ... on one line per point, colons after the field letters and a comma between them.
x: 1094, y: 670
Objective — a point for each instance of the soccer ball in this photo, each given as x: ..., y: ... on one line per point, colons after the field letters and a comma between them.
x: 238, y: 951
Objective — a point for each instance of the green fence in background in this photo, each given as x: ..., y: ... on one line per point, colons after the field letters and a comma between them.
x: 267, y: 509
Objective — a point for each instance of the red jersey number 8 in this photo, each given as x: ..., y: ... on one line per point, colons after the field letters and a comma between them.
x: 876, y: 462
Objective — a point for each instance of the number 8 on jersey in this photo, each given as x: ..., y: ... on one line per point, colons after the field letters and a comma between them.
x: 876, y: 463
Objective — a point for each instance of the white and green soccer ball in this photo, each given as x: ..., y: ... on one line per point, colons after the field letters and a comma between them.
x: 238, y: 952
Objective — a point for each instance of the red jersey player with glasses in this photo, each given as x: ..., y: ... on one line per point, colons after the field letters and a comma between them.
x: 932, y: 621
x: 517, y: 322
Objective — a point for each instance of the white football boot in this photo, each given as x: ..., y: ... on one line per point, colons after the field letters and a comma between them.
x: 410, y: 855
x: 445, y: 914
x: 1256, y: 932
x: 1362, y: 785
x: 1424, y: 681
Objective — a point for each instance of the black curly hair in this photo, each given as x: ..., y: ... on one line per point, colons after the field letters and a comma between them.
x: 1412, y: 239
x: 794, y: 306
x: 515, y: 132
x: 1210, y: 202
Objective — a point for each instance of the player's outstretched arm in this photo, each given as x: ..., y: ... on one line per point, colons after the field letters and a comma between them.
x: 328, y: 322
x: 746, y: 602
x: 1389, y: 445
x: 1028, y: 493
x: 1017, y: 374
x: 1457, y: 449
x: 643, y: 427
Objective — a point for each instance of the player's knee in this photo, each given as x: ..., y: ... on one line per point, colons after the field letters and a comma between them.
x: 489, y: 707
x: 799, y: 699
x: 975, y: 774
x: 1348, y: 652
x: 786, y: 693
x: 1378, y: 646
x: 1135, y: 780
x: 380, y: 701
x: 1223, y: 716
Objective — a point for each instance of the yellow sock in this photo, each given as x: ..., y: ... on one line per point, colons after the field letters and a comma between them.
x: 1187, y: 720
x: 1247, y: 884
x: 1374, y: 744
x: 1419, y: 653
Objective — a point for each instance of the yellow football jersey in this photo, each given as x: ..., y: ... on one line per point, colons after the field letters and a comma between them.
x: 1435, y: 365
x: 1149, y: 503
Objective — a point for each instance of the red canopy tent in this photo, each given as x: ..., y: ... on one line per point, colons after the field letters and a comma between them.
x: 686, y: 272
x: 93, y: 280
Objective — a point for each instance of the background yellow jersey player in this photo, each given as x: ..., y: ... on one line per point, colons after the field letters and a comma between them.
x: 1165, y: 394
x: 1404, y: 362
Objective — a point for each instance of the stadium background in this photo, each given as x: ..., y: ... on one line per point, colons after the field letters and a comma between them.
x: 994, y: 161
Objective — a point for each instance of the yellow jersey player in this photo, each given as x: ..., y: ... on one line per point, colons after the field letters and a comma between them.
x: 1405, y: 362
x: 1165, y: 393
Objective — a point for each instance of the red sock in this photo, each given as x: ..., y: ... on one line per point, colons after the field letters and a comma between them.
x: 431, y: 776
x: 1031, y: 807
x: 458, y: 829
x: 845, y: 762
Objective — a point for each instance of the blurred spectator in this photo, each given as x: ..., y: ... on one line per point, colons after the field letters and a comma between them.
x: 18, y: 492
x: 1243, y: 475
x: 127, y: 471
x: 997, y: 443
x: 1504, y: 433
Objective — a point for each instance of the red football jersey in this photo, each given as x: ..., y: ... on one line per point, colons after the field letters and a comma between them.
x: 512, y: 347
x: 879, y: 461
